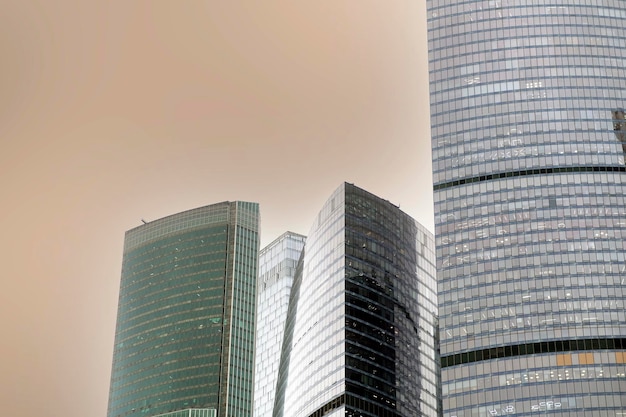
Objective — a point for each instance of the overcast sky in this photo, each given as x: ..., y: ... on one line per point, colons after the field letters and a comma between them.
x: 114, y: 111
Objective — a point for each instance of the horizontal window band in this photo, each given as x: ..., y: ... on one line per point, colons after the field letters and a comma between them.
x: 531, y: 349
x: 538, y: 171
x: 329, y: 406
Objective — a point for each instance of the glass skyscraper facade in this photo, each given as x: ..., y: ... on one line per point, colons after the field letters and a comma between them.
x: 361, y: 326
x: 527, y: 118
x: 277, y: 268
x: 184, y: 341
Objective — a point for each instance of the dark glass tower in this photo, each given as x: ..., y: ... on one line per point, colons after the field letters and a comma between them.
x: 186, y: 315
x: 360, y: 330
x: 527, y: 102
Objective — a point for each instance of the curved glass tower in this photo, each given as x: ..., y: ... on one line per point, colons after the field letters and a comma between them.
x: 527, y: 119
x: 185, y: 326
x: 360, y: 330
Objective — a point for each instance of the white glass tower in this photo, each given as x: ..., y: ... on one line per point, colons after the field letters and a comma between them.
x: 277, y: 267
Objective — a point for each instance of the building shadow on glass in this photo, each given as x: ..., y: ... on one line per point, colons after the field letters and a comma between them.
x: 619, y: 126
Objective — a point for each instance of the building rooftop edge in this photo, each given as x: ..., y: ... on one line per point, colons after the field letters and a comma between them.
x: 212, y: 214
x: 279, y: 238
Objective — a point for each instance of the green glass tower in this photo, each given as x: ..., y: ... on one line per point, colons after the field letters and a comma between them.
x: 185, y: 327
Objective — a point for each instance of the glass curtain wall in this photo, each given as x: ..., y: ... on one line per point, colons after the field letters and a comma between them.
x: 527, y: 102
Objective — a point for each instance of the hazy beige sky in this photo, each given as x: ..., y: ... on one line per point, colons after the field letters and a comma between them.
x: 114, y: 111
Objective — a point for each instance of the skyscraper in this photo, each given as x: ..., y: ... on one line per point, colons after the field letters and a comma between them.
x: 360, y: 331
x: 527, y: 103
x: 184, y: 342
x: 277, y: 267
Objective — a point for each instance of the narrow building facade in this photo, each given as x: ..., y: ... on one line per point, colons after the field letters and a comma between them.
x: 277, y: 268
